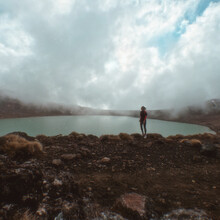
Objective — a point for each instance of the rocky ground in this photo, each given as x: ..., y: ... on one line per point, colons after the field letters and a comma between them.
x: 111, y: 177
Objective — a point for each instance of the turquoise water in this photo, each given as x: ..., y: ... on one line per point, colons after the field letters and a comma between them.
x: 96, y: 125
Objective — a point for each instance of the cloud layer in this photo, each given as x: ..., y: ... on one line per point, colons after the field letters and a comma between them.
x: 110, y: 53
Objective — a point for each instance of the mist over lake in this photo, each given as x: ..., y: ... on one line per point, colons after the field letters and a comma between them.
x: 96, y: 125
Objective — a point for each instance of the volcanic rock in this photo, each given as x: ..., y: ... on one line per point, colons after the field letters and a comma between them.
x: 105, y: 160
x: 126, y: 137
x: 196, y: 143
x: 173, y: 174
x: 21, y: 186
x: 57, y: 162
x: 208, y: 150
x: 41, y: 212
x: 68, y: 156
x: 70, y: 210
x: 57, y: 182
x: 131, y: 203
x: 109, y: 216
x: 186, y: 214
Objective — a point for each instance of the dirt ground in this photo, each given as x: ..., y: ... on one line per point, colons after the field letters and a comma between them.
x: 83, y: 176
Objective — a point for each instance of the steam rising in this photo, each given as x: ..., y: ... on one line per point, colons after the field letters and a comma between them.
x: 110, y: 54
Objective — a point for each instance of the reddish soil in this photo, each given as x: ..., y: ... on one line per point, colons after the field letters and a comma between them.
x: 171, y: 173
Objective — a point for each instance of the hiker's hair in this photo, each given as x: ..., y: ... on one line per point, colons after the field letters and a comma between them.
x: 143, y: 108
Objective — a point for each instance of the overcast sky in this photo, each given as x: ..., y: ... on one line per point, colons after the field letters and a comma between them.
x: 112, y: 54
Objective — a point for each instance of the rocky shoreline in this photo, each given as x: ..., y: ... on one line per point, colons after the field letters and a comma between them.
x: 109, y: 177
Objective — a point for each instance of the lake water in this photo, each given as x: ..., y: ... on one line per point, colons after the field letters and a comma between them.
x: 96, y: 125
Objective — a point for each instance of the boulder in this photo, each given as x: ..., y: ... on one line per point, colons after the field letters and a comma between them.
x: 193, y: 142
x: 131, y: 204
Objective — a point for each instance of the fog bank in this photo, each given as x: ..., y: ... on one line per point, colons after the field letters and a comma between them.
x: 110, y: 54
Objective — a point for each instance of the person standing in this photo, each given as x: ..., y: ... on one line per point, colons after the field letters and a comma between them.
x: 143, y: 118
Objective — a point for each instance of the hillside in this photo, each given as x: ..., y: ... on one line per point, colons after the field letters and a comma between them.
x: 13, y: 108
x: 208, y: 115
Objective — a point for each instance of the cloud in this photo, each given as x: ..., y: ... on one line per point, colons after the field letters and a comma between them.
x: 110, y: 54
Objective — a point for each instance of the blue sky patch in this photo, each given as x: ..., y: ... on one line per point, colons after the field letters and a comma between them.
x: 166, y: 41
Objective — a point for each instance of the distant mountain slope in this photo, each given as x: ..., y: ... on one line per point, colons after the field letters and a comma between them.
x: 10, y: 107
x: 208, y: 115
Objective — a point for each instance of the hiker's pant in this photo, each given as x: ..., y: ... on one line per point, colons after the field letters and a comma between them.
x: 143, y: 124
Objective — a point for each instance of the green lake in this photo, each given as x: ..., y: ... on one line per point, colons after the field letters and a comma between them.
x: 96, y: 125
